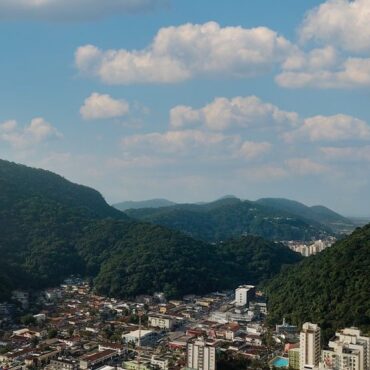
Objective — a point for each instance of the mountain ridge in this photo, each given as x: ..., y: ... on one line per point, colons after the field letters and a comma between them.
x: 230, y: 217
x: 52, y: 228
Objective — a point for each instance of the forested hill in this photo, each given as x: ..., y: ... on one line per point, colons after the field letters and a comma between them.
x: 21, y: 184
x: 319, y: 214
x: 331, y: 288
x: 231, y: 217
x: 151, y: 203
x: 51, y: 228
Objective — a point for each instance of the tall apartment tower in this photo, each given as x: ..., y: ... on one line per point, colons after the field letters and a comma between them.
x: 348, y: 350
x: 243, y: 294
x: 309, y: 346
x: 201, y: 356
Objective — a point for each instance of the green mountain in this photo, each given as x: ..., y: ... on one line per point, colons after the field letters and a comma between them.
x: 230, y: 217
x: 151, y: 203
x: 318, y: 214
x: 20, y: 184
x: 51, y: 228
x: 332, y: 288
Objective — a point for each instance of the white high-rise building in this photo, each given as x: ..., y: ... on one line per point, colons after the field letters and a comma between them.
x: 309, y: 346
x: 243, y: 294
x: 201, y: 356
x: 348, y: 350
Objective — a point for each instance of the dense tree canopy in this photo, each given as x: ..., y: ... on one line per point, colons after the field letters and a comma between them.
x: 51, y: 228
x: 331, y: 288
x: 231, y: 217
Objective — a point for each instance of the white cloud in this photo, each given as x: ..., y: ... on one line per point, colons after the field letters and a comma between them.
x: 189, y: 144
x: 330, y: 128
x: 313, y: 60
x: 263, y: 173
x: 343, y: 23
x: 353, y: 72
x: 183, y: 52
x: 347, y: 154
x: 72, y: 9
x: 223, y: 113
x: 251, y: 149
x: 305, y: 166
x: 102, y: 106
x: 36, y: 132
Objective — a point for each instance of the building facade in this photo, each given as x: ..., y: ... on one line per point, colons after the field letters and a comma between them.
x: 201, y: 356
x: 243, y: 294
x: 348, y: 350
x: 310, y: 347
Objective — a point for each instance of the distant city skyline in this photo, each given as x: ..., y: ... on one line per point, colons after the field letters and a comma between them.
x: 190, y: 101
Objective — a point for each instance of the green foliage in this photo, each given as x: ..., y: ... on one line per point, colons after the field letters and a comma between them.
x: 52, y: 333
x: 230, y: 361
x: 51, y: 228
x: 28, y: 320
x: 320, y: 214
x: 231, y: 217
x: 152, y: 203
x: 331, y: 288
x: 178, y: 265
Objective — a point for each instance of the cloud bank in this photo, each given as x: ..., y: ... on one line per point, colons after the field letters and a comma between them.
x: 191, y: 50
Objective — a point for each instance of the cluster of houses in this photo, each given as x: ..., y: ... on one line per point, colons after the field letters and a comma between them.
x: 77, y: 329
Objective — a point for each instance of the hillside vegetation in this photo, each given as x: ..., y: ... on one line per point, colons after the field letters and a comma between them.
x: 331, y: 288
x: 230, y: 217
x: 320, y: 214
x: 151, y: 203
x: 51, y: 228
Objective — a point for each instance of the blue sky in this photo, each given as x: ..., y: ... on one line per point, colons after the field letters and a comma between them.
x: 191, y: 100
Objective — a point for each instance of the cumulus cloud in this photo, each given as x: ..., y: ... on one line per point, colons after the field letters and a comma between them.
x: 102, y: 106
x: 36, y: 132
x: 305, y: 166
x: 72, y: 9
x: 251, y: 149
x: 330, y: 128
x: 187, y: 144
x: 223, y: 113
x: 347, y: 154
x: 263, y: 173
x: 353, y: 72
x: 183, y: 52
x: 178, y: 142
x: 344, y: 23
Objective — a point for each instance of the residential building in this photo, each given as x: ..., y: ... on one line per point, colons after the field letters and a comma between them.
x: 97, y: 359
x: 310, y: 337
x: 201, y: 356
x: 293, y: 355
x: 161, y: 321
x: 243, y: 294
x: 63, y: 364
x: 348, y: 350
x: 146, y: 337
x: 286, y: 328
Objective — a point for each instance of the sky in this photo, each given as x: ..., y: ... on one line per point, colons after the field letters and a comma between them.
x: 190, y: 100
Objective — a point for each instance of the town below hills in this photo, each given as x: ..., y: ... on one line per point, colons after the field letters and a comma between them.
x: 52, y: 229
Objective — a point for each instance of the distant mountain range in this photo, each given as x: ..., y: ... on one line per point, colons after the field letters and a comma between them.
x: 320, y: 214
x: 228, y: 217
x: 51, y: 228
x: 151, y: 203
